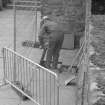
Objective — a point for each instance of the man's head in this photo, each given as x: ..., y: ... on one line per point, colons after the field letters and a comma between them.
x: 46, y: 18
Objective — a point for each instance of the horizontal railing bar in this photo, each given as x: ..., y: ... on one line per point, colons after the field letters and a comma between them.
x: 22, y: 92
x: 32, y: 62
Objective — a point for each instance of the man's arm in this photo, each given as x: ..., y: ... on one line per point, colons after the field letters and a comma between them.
x: 40, y: 37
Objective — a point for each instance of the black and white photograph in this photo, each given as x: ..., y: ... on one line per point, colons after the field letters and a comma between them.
x: 52, y: 52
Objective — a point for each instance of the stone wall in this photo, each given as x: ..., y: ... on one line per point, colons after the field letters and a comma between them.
x: 72, y: 12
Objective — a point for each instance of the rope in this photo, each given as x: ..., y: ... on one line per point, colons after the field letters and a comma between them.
x: 75, y: 59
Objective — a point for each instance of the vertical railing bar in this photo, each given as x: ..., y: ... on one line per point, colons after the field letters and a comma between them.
x: 46, y: 88
x: 50, y: 89
x: 14, y: 68
x: 4, y: 64
x: 33, y: 80
x: 23, y: 72
x: 7, y: 64
x: 26, y: 82
x: 18, y: 68
x: 21, y: 69
x: 29, y: 65
x: 39, y: 88
x: 29, y: 87
x: 36, y: 83
x: 30, y: 77
x: 15, y: 65
x: 26, y: 79
x: 27, y: 73
x: 58, y: 92
x: 54, y: 90
x: 11, y: 65
x: 43, y: 88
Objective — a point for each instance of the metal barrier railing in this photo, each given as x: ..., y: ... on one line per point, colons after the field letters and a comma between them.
x: 41, y: 83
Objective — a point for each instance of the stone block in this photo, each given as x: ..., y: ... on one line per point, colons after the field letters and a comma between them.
x: 68, y: 41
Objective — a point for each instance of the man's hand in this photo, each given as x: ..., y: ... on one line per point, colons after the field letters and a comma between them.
x: 44, y: 46
x: 41, y: 47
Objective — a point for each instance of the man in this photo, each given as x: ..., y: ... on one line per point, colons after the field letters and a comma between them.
x: 55, y: 38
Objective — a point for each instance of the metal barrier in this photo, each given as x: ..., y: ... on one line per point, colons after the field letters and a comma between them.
x: 39, y: 81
